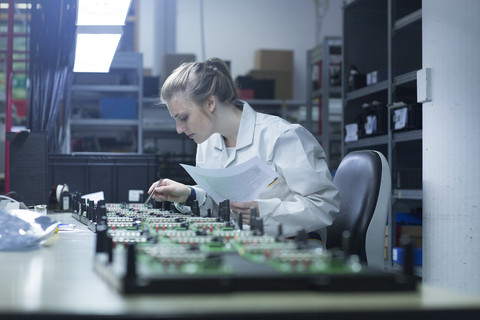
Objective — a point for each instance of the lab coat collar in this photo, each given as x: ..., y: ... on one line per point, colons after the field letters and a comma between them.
x: 245, y: 132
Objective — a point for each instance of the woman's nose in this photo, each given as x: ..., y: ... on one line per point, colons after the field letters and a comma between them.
x: 180, y: 128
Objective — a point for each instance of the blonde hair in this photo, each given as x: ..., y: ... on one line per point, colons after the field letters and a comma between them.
x: 199, y: 80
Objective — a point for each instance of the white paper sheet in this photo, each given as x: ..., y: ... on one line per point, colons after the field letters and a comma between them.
x: 371, y: 125
x: 96, y: 196
x: 400, y: 118
x: 351, y: 132
x: 243, y: 182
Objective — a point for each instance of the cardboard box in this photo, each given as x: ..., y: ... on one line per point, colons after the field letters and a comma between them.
x: 414, y: 232
x: 173, y: 60
x: 283, y: 82
x: 411, y: 230
x: 274, y: 60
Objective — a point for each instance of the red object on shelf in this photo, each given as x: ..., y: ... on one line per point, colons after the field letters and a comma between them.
x: 21, y: 106
x: 246, y: 94
x: 319, y: 64
x: 8, y: 91
x: 320, y: 116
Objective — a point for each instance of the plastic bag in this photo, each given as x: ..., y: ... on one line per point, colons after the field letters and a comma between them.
x: 20, y: 229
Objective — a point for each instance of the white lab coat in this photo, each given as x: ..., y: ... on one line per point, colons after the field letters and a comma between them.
x: 304, y: 196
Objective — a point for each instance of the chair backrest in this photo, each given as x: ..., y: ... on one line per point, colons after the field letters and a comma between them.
x: 364, y: 182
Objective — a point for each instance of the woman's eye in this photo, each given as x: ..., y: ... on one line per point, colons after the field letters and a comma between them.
x: 184, y: 118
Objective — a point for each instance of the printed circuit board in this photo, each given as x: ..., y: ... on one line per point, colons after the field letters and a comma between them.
x: 141, y: 249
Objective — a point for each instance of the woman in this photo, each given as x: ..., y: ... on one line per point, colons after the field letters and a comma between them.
x: 203, y: 100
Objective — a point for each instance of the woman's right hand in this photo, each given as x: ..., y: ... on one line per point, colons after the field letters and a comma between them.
x: 169, y: 190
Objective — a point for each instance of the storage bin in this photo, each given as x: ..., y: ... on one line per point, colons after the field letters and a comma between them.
x: 118, y: 108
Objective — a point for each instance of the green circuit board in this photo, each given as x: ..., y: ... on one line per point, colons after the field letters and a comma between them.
x: 176, y: 243
x: 153, y: 250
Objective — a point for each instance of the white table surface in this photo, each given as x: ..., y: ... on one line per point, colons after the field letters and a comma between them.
x: 58, y: 279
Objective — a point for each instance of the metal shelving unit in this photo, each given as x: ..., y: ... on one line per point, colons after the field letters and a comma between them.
x: 292, y: 110
x: 159, y: 131
x: 160, y: 134
x: 324, y: 77
x: 375, y: 36
x: 122, y: 133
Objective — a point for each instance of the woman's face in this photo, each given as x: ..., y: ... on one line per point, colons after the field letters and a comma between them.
x: 193, y: 120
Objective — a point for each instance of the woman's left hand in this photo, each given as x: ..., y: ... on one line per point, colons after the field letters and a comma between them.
x: 244, y: 208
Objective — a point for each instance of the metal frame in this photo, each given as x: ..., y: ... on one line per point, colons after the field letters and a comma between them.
x: 391, y: 138
x: 326, y: 92
x: 122, y: 60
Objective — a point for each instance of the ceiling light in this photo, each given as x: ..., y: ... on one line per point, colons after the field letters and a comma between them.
x: 95, y: 52
x: 102, y: 12
x: 99, y: 28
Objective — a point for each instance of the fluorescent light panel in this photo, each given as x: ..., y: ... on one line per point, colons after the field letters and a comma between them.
x: 94, y: 52
x: 102, y: 12
x: 98, y: 33
x: 21, y: 6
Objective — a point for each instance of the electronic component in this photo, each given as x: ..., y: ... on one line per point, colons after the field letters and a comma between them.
x: 141, y: 249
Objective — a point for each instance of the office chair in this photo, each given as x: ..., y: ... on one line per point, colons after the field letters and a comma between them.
x: 364, y: 181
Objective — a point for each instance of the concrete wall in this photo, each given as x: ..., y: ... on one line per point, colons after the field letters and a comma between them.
x: 451, y: 148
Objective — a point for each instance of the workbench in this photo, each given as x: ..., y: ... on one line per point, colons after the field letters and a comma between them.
x: 57, y: 280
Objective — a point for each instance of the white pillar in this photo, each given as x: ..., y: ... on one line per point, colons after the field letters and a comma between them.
x: 451, y: 145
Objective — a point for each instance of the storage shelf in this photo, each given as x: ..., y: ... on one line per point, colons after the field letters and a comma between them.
x: 405, y: 78
x: 333, y: 137
x: 104, y: 122
x: 375, y: 35
x: 124, y: 80
x: 365, y: 91
x: 335, y: 92
x: 408, y: 135
x: 163, y: 130
x: 324, y: 69
x: 153, y: 126
x: 367, y: 142
x: 410, y: 194
x: 408, y: 19
x: 126, y: 61
x: 106, y: 88
x: 273, y: 102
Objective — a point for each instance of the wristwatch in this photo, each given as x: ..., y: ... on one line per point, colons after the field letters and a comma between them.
x: 192, y: 197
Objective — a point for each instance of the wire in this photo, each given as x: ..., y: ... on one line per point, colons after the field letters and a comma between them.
x: 8, y: 198
x: 321, y: 8
x: 11, y: 192
x: 202, y: 30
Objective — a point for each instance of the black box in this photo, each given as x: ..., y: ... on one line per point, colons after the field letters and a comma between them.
x: 151, y: 87
x: 357, y: 81
x: 414, y: 117
x: 28, y: 167
x: 113, y: 174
